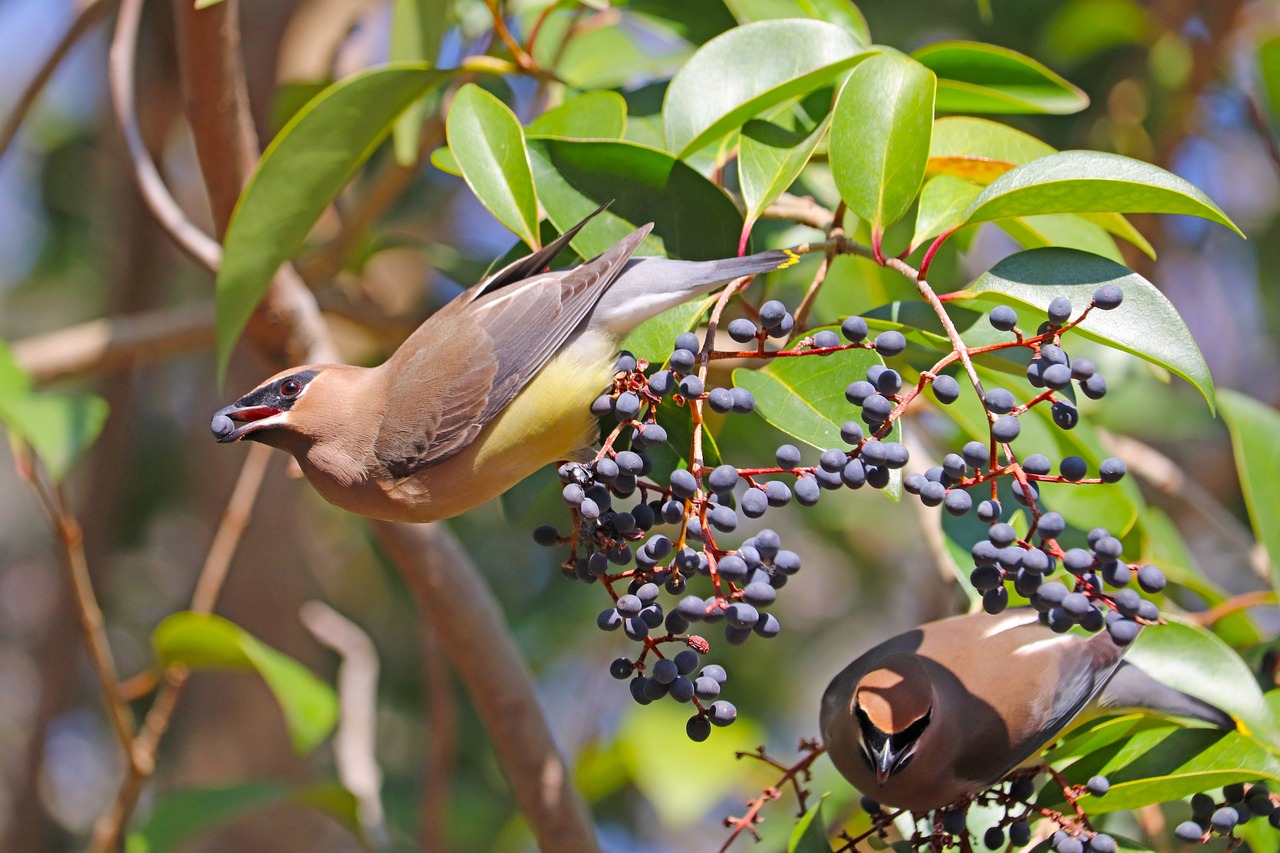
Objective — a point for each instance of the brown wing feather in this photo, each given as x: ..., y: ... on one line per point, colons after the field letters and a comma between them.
x: 470, y: 359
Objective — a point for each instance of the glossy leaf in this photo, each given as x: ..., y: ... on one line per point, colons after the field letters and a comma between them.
x: 183, y: 814
x: 810, y: 833
x: 1193, y: 660
x: 1092, y: 182
x: 1269, y: 74
x: 741, y: 73
x: 771, y: 157
x: 301, y: 172
x: 983, y: 78
x: 417, y: 28
x: 693, y: 218
x: 205, y: 641
x: 1165, y: 763
x: 880, y: 137
x: 804, y: 396
x: 488, y: 145
x: 58, y: 427
x: 1255, y: 439
x: 1146, y: 324
x: 841, y: 12
x: 591, y: 115
x: 944, y: 201
x: 1064, y: 230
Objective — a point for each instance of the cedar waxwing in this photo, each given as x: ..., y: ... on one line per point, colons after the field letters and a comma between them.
x: 947, y: 710
x: 491, y: 387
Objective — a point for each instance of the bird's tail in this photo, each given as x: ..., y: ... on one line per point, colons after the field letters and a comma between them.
x: 1130, y: 687
x: 649, y: 286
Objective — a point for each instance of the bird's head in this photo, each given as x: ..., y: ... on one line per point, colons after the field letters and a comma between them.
x: 277, y: 411
x: 893, y: 705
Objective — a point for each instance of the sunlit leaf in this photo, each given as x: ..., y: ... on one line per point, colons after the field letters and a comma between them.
x: 1193, y: 660
x: 771, y: 157
x: 880, y: 137
x: 1255, y: 438
x: 591, y: 115
x: 1092, y: 182
x: 739, y: 74
x: 810, y: 833
x: 301, y: 172
x: 944, y: 201
x: 488, y: 145
x: 58, y: 427
x: 983, y: 78
x: 205, y: 641
x: 1146, y: 324
x: 842, y: 12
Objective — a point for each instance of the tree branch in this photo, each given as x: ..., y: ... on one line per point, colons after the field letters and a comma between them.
x: 469, y: 625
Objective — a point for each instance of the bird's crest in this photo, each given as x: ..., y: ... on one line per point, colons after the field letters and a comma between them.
x: 896, y: 695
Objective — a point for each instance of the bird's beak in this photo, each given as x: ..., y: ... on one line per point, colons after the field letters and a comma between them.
x: 254, y: 418
x: 882, y: 762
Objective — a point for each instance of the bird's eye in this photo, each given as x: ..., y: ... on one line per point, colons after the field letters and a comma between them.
x: 290, y: 387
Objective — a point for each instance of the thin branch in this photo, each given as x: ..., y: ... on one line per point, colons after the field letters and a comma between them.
x: 91, y: 620
x: 957, y: 343
x: 234, y: 520
x: 85, y: 21
x: 354, y: 742
x: 120, y: 76
x: 1260, y: 598
x: 802, y: 210
x: 117, y: 343
x: 442, y: 716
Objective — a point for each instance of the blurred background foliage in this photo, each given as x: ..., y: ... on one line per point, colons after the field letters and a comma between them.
x: 1192, y: 86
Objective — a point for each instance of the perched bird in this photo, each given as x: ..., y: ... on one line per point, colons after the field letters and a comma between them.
x: 946, y: 710
x: 491, y: 387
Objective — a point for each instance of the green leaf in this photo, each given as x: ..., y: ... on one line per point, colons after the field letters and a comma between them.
x: 1195, y: 661
x: 1146, y: 324
x: 1255, y: 439
x: 205, y: 641
x: 1062, y: 229
x: 1092, y: 182
x: 652, y: 339
x: 1082, y: 28
x: 693, y: 218
x: 944, y: 201
x: 982, y: 78
x: 810, y: 833
x: 840, y: 12
x: 1165, y: 763
x: 771, y: 157
x: 186, y: 813
x: 181, y: 815
x: 1269, y: 74
x: 980, y: 150
x: 488, y: 144
x: 802, y: 396
x: 592, y: 115
x: 302, y: 171
x: 417, y: 28
x: 743, y: 72
x: 58, y: 427
x: 880, y: 137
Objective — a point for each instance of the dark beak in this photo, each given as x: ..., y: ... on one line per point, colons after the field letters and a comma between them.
x: 224, y: 421
x: 882, y: 762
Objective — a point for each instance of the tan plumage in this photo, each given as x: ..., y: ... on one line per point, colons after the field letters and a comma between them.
x: 491, y: 387
x: 941, y: 712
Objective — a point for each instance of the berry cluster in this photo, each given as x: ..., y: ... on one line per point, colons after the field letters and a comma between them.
x: 701, y: 503
x: 1240, y: 804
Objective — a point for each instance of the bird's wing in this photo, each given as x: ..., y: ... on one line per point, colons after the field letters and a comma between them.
x: 471, y: 358
x: 1048, y: 678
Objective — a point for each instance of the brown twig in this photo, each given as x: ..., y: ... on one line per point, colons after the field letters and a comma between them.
x: 92, y: 623
x: 86, y: 20
x: 442, y: 724
x: 518, y: 53
x: 120, y: 77
x: 1235, y: 604
x: 116, y: 343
